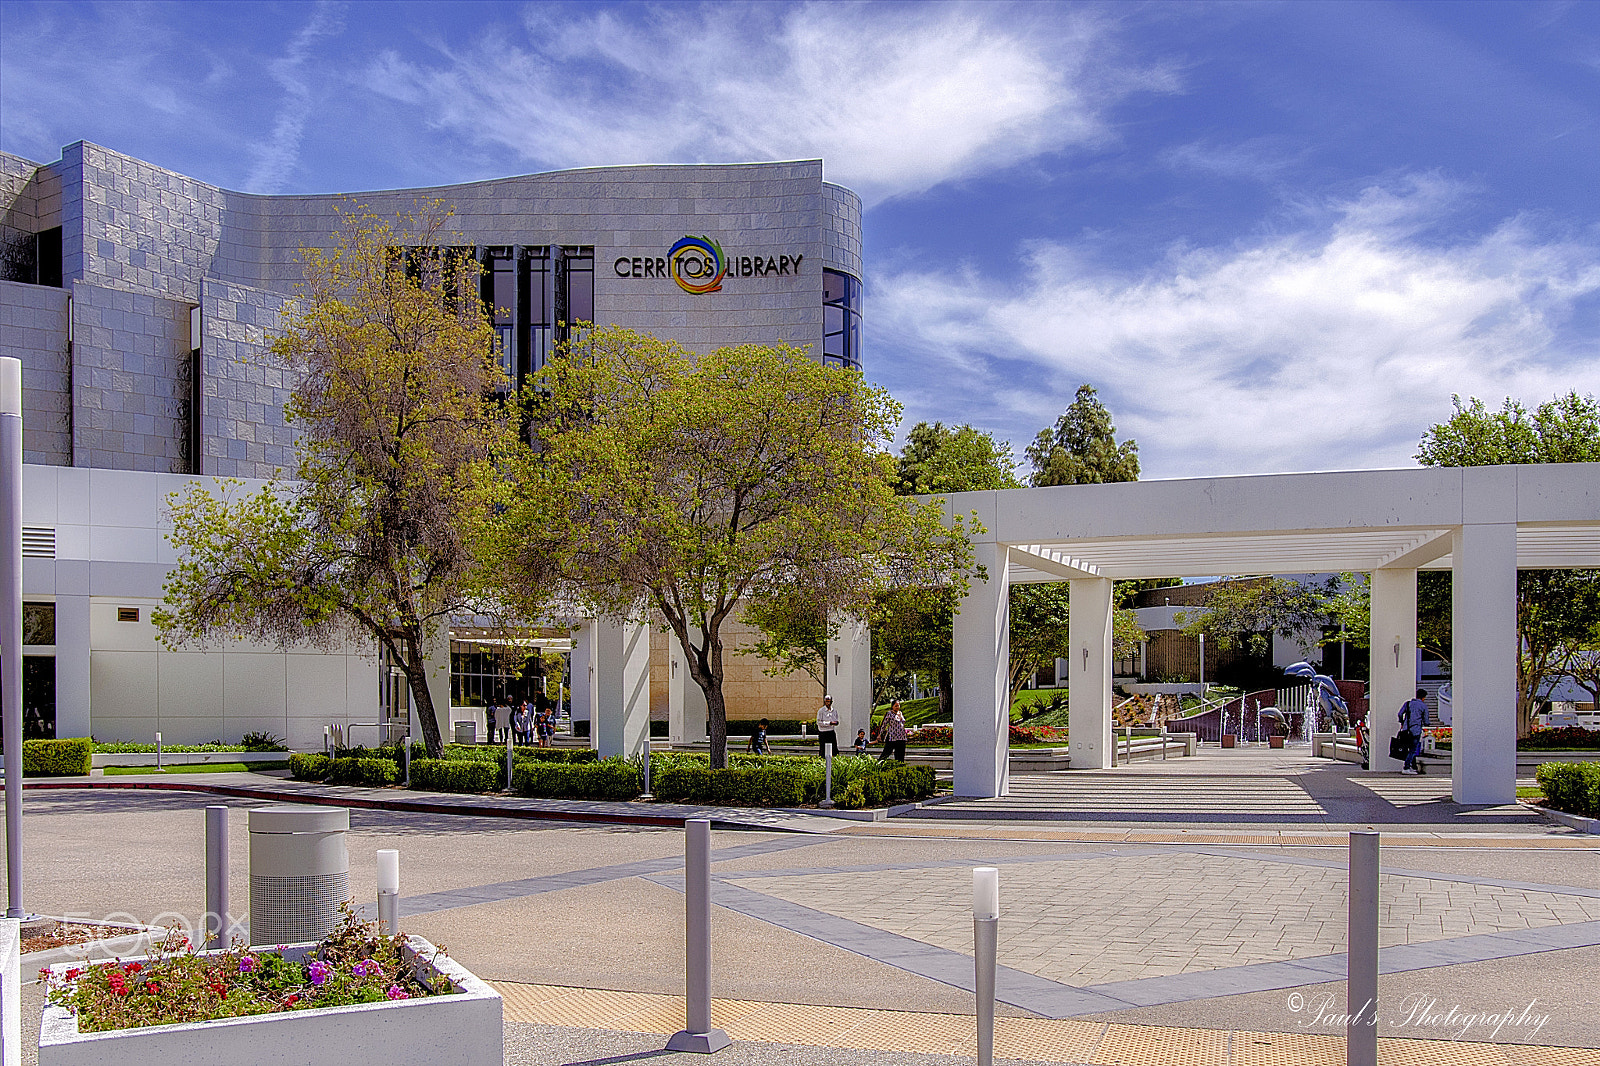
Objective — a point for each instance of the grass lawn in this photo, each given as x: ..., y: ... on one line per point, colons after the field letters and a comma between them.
x: 181, y: 768
x: 1530, y: 792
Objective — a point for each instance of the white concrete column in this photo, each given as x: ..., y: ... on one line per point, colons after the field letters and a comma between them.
x: 582, y: 682
x: 438, y: 650
x: 981, y: 685
x: 1484, y: 663
x: 619, y: 699
x: 1089, y: 674
x: 1393, y: 620
x: 74, y: 716
x: 686, y: 701
x: 849, y: 666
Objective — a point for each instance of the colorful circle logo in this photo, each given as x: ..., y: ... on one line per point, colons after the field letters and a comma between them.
x: 697, y: 265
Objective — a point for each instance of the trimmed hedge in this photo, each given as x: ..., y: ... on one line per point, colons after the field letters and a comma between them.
x: 737, y: 786
x: 72, y: 757
x: 309, y: 766
x: 1573, y: 787
x: 608, y: 779
x: 373, y: 773
x: 457, y: 775
x: 1561, y: 738
x: 496, y: 753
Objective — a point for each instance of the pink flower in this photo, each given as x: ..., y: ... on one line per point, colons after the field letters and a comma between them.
x: 396, y: 992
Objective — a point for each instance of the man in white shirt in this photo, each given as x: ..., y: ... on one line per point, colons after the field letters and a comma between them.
x: 827, y: 727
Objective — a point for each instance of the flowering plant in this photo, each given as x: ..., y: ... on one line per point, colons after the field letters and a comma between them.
x: 353, y: 964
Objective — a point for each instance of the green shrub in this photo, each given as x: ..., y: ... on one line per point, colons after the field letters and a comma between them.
x: 72, y: 757
x: 1560, y: 738
x: 309, y: 766
x: 608, y: 779
x: 497, y: 753
x: 133, y: 747
x: 262, y: 742
x: 896, y: 783
x: 372, y: 773
x: 784, y: 727
x: 457, y: 775
x: 1573, y: 787
x: 737, y: 786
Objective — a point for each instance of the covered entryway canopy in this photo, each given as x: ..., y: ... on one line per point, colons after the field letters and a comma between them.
x: 1483, y: 523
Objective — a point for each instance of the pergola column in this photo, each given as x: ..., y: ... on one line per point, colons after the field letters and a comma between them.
x: 849, y: 666
x: 686, y: 701
x: 1393, y: 659
x: 1089, y: 667
x: 1484, y: 663
x: 619, y: 696
x: 981, y: 684
x: 582, y: 684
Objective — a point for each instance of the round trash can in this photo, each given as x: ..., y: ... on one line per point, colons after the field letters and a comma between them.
x: 299, y: 872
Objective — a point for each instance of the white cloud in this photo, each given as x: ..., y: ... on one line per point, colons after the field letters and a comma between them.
x: 1334, y: 346
x: 896, y: 99
x: 275, y: 158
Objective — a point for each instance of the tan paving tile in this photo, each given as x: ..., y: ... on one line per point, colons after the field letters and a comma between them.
x: 1396, y: 1052
x: 1149, y: 1045
x: 1522, y: 1055
x: 1287, y: 1049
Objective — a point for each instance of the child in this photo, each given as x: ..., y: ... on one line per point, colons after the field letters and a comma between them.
x: 758, y: 740
x: 861, y: 742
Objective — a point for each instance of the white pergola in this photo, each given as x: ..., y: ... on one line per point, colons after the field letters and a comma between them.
x: 1482, y: 523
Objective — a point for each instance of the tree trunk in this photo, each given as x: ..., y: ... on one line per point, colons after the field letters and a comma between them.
x: 946, y: 698
x: 717, y: 709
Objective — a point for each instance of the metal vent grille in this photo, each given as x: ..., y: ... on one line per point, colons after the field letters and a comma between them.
x: 290, y: 910
x: 38, y: 542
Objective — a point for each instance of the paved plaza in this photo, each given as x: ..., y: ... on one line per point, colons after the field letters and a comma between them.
x: 1160, y: 936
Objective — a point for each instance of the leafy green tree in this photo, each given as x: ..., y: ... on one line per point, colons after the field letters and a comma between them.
x: 1127, y: 592
x: 395, y: 387
x: 938, y: 459
x: 1082, y: 449
x: 693, y: 485
x: 1556, y: 609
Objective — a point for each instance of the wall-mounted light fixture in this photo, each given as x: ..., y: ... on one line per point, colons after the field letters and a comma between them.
x: 1397, y: 653
x: 1086, y: 658
x: 838, y: 661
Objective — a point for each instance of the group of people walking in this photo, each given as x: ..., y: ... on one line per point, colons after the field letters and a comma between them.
x: 531, y: 723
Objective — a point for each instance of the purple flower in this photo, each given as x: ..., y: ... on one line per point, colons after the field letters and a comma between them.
x: 318, y: 971
x: 396, y: 992
x: 247, y: 964
x: 365, y: 968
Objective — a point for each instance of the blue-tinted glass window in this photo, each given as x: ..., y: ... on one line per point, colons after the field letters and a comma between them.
x: 841, y: 319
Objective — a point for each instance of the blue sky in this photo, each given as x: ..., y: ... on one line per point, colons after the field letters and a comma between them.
x: 1276, y: 236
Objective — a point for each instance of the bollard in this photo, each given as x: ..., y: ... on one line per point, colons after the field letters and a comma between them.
x: 646, y: 795
x: 697, y: 1036
x: 1361, y: 975
x: 388, y: 891
x: 405, y: 758
x: 215, y: 926
x: 510, y: 739
x: 158, y: 749
x: 827, y: 777
x: 985, y: 943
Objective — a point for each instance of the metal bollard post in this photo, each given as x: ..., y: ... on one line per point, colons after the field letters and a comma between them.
x: 388, y: 891
x: 158, y: 749
x: 509, y: 754
x: 698, y: 1035
x: 215, y: 926
x: 827, y: 777
x: 985, y: 943
x: 405, y: 758
x: 1361, y: 979
x: 646, y: 795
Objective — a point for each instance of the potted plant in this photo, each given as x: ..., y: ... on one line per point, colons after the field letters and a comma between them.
x: 395, y: 999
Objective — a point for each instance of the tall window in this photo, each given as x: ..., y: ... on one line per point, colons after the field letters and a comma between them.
x: 533, y: 293
x: 841, y: 320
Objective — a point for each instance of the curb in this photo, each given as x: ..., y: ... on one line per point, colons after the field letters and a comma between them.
x: 1571, y: 821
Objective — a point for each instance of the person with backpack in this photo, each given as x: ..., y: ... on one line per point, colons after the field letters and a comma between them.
x: 1413, y: 720
x: 758, y: 740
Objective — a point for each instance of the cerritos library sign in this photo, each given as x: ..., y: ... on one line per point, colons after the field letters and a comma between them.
x: 698, y: 265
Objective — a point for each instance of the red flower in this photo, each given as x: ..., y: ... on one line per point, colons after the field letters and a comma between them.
x: 152, y: 988
x: 133, y: 967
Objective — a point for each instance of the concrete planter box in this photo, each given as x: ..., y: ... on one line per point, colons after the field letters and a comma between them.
x: 464, y: 1029
x: 188, y: 758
